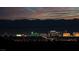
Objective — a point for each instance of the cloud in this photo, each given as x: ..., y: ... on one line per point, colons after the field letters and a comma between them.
x: 38, y: 12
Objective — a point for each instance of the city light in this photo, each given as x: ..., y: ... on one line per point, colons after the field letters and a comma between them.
x: 66, y: 35
x: 18, y: 35
x: 76, y: 34
x: 34, y: 34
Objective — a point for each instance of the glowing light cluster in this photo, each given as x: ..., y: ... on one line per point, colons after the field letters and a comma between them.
x: 18, y: 35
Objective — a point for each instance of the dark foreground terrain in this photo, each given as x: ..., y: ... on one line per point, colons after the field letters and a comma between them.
x: 10, y: 45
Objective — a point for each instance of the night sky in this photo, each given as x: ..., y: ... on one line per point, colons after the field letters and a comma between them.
x: 39, y: 12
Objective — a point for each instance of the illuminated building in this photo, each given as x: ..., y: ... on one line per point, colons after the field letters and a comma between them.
x: 55, y: 33
x: 76, y: 34
x: 34, y: 34
x: 65, y: 34
x: 43, y: 34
